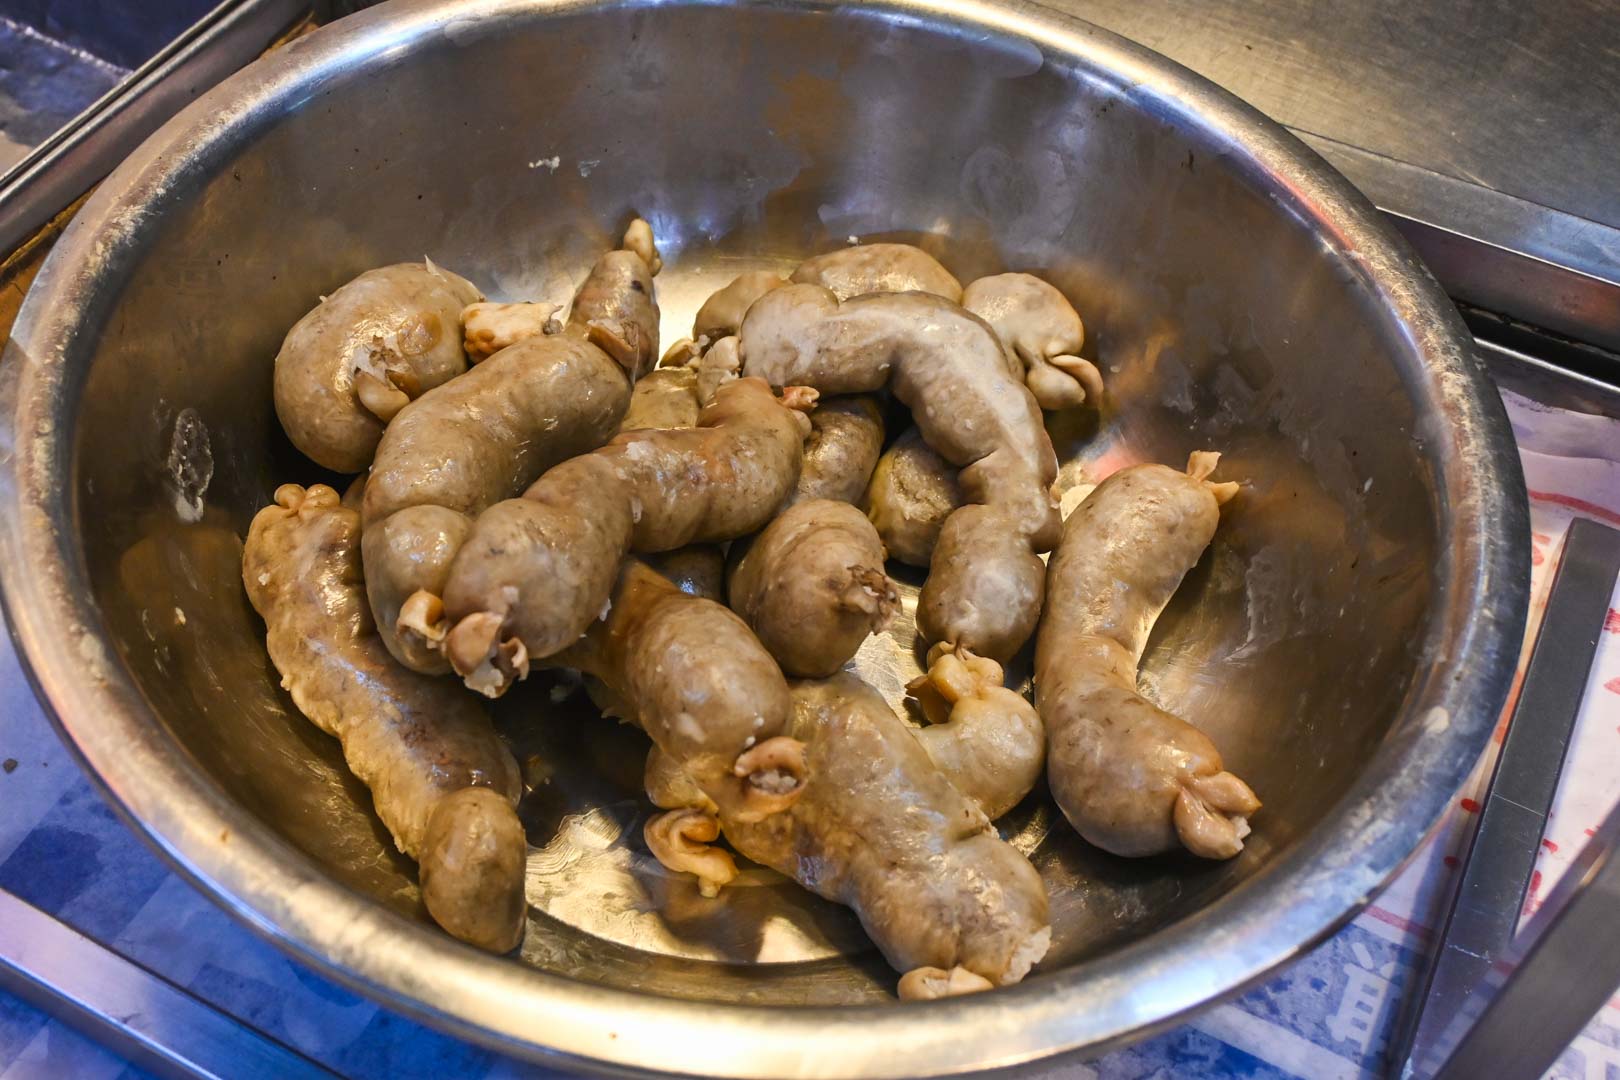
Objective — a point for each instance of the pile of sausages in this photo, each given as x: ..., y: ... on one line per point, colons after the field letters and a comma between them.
x: 705, y: 538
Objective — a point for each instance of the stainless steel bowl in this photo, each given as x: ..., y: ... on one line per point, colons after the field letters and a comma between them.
x: 1348, y: 641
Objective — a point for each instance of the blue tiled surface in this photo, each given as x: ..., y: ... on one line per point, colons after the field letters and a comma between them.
x: 121, y: 32
x: 43, y: 85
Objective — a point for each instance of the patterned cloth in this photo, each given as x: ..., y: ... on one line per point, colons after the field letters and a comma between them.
x: 1329, y: 1015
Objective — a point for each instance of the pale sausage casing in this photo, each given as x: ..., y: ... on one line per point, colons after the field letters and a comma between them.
x: 440, y: 778
x: 880, y: 829
x: 875, y: 268
x: 1130, y: 777
x: 391, y: 335
x: 812, y: 586
x: 691, y: 674
x: 912, y: 491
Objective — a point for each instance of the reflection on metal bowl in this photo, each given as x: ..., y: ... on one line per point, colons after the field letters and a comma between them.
x: 1347, y: 642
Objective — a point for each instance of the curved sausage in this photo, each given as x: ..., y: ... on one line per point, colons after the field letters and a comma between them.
x: 812, y: 585
x: 1130, y: 777
x: 698, y: 682
x: 347, y: 367
x: 985, y: 738
x: 440, y: 778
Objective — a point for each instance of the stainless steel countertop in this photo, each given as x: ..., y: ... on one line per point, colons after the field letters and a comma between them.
x: 1518, y: 96
x: 1489, y: 129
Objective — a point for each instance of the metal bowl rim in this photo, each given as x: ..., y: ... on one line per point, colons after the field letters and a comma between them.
x: 1472, y: 638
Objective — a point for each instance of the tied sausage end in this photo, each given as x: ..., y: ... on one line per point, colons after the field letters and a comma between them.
x: 380, y: 397
x: 1062, y: 382
x: 638, y: 237
x: 487, y: 328
x: 1200, y: 464
x: 986, y: 739
x: 683, y: 841
x: 421, y: 620
x: 773, y: 776
x: 954, y: 673
x: 932, y: 983
x: 1212, y: 814
x: 871, y: 593
x: 488, y: 662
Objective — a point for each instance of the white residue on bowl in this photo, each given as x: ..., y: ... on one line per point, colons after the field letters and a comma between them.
x: 190, y: 467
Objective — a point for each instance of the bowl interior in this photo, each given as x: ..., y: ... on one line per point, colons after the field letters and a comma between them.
x: 512, y: 150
